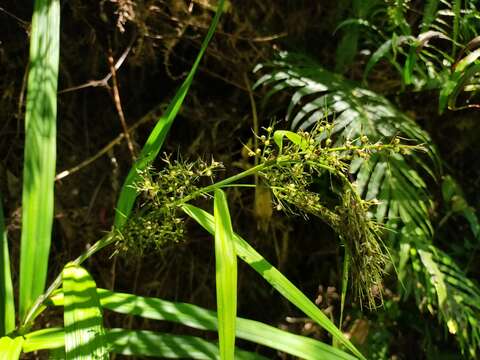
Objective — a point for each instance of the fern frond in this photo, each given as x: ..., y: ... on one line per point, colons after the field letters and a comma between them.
x: 397, y: 181
x: 356, y: 112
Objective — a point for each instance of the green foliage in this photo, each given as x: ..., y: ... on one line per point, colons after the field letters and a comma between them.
x: 426, y: 53
x: 40, y: 151
x: 84, y: 335
x: 397, y: 185
x: 203, y: 319
x: 11, y: 348
x: 83, y: 320
x: 7, y: 306
x: 226, y: 276
x: 381, y: 165
x: 137, y: 343
x: 274, y: 277
x: 156, y: 138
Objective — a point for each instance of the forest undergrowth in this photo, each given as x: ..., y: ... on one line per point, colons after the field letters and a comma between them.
x: 155, y: 152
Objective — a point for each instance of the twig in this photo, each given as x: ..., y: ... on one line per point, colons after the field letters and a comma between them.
x: 118, y: 104
x: 254, y: 112
x: 23, y: 23
x: 102, y: 82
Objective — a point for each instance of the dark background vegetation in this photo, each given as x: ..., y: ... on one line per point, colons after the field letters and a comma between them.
x: 161, y: 39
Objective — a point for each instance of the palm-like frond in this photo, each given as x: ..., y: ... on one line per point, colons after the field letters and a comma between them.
x: 397, y: 181
x: 442, y: 285
x: 357, y: 112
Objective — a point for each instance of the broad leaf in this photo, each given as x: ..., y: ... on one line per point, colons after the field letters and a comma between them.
x: 11, y: 349
x: 84, y: 333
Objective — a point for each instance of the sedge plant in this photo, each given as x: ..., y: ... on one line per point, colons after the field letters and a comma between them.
x: 83, y: 335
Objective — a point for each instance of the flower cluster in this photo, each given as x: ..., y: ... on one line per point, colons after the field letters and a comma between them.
x: 156, y: 223
x: 295, y: 161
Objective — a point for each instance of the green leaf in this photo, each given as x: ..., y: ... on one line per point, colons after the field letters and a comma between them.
x: 467, y: 60
x: 295, y: 138
x: 457, y: 7
x: 139, y: 343
x: 40, y: 151
x: 226, y: 276
x: 274, y: 277
x: 51, y: 338
x: 57, y: 354
x: 457, y: 297
x: 7, y: 306
x: 157, y: 137
x: 200, y: 318
x: 347, y: 49
x: 149, y: 343
x: 84, y: 333
x: 10, y: 349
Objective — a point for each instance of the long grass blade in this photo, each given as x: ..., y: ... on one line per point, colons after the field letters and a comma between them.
x: 7, y: 306
x: 226, y: 276
x: 140, y: 343
x: 203, y: 319
x: 40, y: 151
x: 274, y: 277
x: 155, y: 141
x: 149, y: 343
x: 44, y: 339
x: 10, y: 349
x: 84, y: 332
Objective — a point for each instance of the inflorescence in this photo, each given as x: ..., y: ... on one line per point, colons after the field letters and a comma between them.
x: 157, y: 223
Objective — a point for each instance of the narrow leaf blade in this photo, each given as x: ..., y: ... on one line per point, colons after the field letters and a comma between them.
x: 139, y: 343
x: 157, y: 137
x: 7, y: 306
x: 274, y: 277
x: 40, y: 151
x: 226, y: 276
x: 203, y: 319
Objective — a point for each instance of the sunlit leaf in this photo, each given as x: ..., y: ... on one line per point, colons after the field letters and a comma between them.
x: 203, y: 319
x: 155, y: 141
x: 226, y: 276
x: 139, y: 343
x: 7, y: 306
x: 274, y: 277
x: 40, y: 151
x: 84, y: 333
x: 11, y: 348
